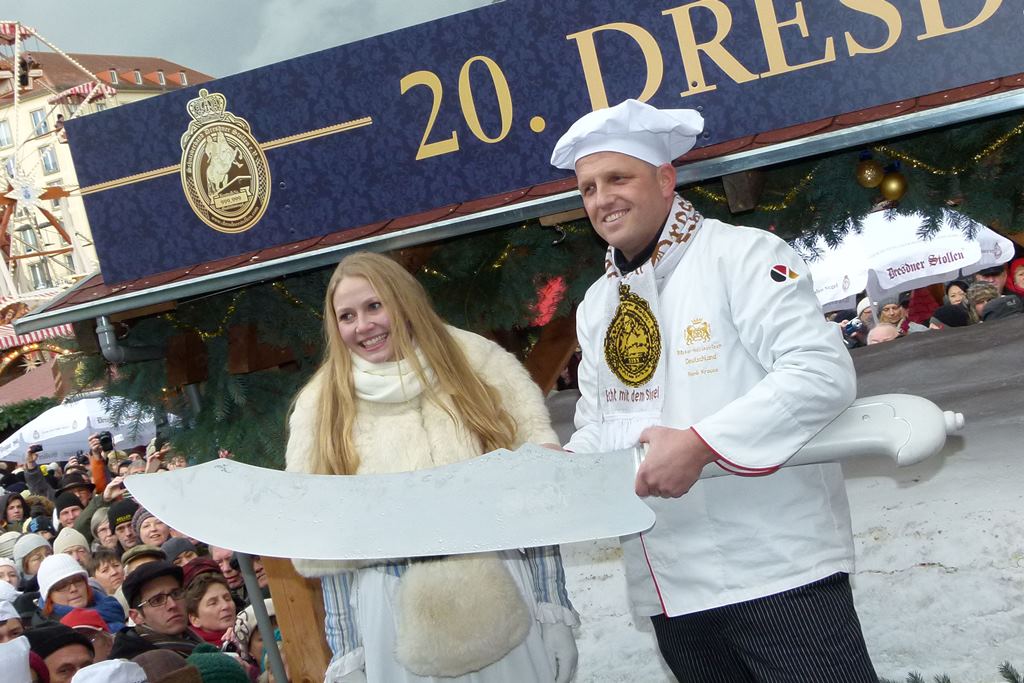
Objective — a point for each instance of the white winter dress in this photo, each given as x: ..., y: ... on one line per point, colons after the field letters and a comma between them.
x: 365, y: 609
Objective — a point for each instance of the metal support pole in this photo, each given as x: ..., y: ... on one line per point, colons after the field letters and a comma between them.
x: 252, y: 587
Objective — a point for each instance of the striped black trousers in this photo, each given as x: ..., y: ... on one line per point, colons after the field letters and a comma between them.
x: 810, y: 634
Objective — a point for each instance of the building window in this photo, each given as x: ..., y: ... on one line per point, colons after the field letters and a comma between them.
x: 40, y: 276
x: 55, y: 203
x: 184, y: 79
x: 29, y: 238
x: 138, y: 77
x: 100, y: 106
x: 39, y: 121
x: 113, y: 76
x: 9, y: 166
x: 160, y: 77
x: 6, y: 139
x: 69, y: 263
x: 49, y: 156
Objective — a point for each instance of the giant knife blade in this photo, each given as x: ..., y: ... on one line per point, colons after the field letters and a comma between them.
x: 533, y: 496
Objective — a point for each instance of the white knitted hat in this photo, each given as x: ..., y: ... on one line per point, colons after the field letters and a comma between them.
x: 14, y: 661
x: 55, y: 569
x: 111, y: 671
x: 24, y: 547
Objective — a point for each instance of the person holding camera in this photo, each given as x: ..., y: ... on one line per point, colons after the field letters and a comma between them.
x: 77, y: 489
x: 101, y: 445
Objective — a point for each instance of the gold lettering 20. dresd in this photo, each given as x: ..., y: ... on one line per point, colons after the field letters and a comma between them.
x: 467, y: 102
x: 775, y: 21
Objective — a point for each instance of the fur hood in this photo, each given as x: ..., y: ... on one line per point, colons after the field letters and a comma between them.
x: 418, y: 434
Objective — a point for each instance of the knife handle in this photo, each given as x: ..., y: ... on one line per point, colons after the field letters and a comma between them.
x: 903, y: 427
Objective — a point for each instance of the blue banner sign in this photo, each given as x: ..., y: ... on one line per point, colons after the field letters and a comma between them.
x: 470, y: 106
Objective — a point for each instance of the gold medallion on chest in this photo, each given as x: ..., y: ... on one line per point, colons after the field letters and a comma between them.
x: 632, y: 344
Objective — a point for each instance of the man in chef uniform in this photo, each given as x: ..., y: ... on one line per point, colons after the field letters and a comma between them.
x: 705, y: 342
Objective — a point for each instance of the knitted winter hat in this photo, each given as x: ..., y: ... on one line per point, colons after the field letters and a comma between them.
x: 121, y: 512
x: 66, y: 500
x: 7, y: 611
x: 40, y: 524
x: 25, y: 545
x: 38, y: 666
x: 45, y: 640
x: 951, y: 315
x: 14, y: 661
x: 215, y: 666
x: 176, y: 546
x: 7, y: 562
x: 67, y: 539
x: 55, y: 569
x: 140, y: 516
x: 111, y: 671
x: 8, y: 593
x: 7, y: 541
x: 981, y: 292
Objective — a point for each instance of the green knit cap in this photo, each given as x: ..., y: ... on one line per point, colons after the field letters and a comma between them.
x: 215, y: 666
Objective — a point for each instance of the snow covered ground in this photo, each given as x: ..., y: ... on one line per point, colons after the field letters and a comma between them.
x: 940, y: 546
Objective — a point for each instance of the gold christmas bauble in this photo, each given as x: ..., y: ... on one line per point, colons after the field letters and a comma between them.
x: 870, y: 173
x: 893, y: 186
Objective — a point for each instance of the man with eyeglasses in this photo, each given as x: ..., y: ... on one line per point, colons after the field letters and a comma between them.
x: 156, y: 605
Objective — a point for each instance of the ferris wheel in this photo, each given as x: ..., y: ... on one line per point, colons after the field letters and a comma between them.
x: 41, y: 87
x: 42, y: 249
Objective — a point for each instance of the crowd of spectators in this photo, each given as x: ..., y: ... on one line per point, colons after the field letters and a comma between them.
x: 93, y: 587
x: 993, y: 294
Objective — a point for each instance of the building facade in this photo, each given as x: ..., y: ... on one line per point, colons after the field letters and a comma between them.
x: 47, y: 242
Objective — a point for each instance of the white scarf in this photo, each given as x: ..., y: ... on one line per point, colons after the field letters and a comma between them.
x: 631, y: 377
x: 390, y: 382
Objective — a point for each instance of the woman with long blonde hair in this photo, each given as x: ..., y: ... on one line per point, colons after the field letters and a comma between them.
x: 398, y: 390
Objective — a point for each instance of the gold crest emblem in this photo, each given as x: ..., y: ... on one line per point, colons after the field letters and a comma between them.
x: 698, y: 331
x: 223, y: 169
x: 632, y: 345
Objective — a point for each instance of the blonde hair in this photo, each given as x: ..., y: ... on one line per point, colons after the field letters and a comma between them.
x: 457, y: 389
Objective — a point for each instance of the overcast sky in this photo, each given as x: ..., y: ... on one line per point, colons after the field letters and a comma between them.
x: 220, y: 37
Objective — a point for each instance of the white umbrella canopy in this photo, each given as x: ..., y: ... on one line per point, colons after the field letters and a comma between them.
x: 64, y: 430
x: 888, y: 256
x: 995, y: 251
x: 838, y: 275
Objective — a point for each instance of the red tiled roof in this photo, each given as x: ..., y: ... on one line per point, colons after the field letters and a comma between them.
x: 95, y: 289
x: 61, y: 74
x: 35, y: 383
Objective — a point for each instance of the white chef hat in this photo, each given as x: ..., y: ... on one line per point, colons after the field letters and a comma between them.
x: 657, y: 136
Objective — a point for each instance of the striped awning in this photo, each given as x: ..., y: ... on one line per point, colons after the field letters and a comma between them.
x: 7, y: 31
x: 83, y: 90
x: 9, y: 340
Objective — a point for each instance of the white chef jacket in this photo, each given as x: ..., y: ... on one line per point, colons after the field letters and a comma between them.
x: 754, y: 368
